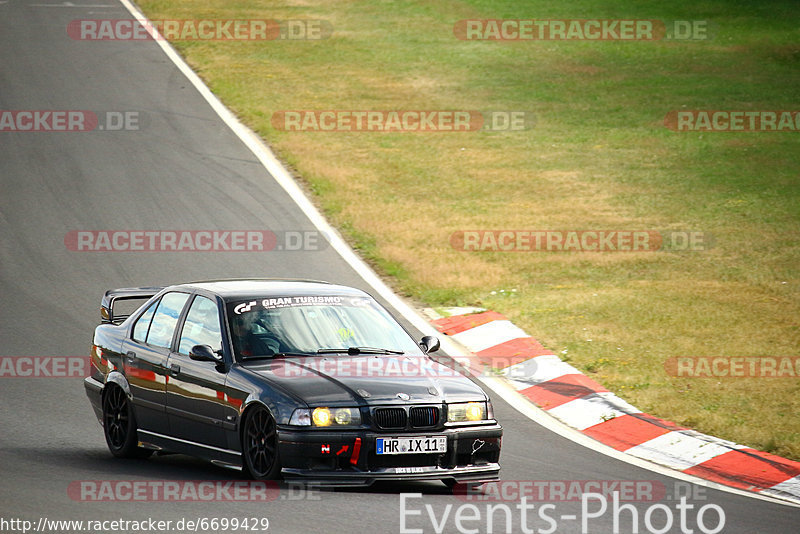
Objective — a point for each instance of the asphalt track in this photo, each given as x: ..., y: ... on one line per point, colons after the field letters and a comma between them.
x: 184, y: 170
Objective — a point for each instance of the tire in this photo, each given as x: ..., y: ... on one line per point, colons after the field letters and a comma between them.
x: 260, y: 458
x: 119, y: 425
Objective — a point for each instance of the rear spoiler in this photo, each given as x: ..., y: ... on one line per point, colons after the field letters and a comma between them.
x: 111, y: 296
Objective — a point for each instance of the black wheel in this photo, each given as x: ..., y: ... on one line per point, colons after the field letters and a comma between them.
x: 260, y: 445
x: 119, y: 425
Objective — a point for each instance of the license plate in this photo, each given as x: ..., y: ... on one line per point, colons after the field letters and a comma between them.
x: 412, y: 445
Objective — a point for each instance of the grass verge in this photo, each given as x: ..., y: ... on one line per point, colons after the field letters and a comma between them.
x: 599, y: 157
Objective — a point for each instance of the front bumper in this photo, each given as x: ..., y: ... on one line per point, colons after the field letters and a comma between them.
x: 349, y: 458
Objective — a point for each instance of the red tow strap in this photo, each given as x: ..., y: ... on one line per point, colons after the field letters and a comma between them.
x: 356, y: 450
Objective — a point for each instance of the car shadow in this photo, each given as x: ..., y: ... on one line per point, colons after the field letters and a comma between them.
x: 97, y: 463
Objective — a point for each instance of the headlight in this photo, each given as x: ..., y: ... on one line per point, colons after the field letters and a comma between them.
x: 466, y: 411
x: 321, y: 417
x: 346, y: 416
x: 342, y: 417
x: 301, y: 417
x: 325, y: 417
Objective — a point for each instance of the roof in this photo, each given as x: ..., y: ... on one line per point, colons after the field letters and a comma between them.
x: 248, y: 288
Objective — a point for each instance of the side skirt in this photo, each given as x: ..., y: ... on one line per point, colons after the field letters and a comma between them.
x: 160, y: 442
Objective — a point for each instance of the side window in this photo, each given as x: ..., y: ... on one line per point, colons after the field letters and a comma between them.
x: 201, y: 326
x: 166, y: 319
x: 143, y: 323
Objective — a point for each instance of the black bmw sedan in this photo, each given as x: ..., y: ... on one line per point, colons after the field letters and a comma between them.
x: 300, y: 379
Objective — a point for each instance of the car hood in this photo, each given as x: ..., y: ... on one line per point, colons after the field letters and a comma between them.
x: 367, y: 379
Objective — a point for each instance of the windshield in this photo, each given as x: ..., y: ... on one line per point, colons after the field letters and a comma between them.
x: 307, y: 324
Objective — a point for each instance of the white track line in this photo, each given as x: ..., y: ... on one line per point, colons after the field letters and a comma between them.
x: 285, y: 180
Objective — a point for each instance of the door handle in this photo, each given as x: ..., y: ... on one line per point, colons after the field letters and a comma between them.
x: 131, y: 356
x: 174, y: 369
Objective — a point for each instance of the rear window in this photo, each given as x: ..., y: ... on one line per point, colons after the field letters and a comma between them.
x: 143, y: 323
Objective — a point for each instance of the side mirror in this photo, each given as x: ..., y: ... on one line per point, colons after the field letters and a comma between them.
x: 429, y: 344
x: 204, y: 353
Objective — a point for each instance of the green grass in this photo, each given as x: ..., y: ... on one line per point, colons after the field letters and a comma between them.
x: 599, y: 157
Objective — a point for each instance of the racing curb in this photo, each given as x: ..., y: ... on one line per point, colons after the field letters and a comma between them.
x: 499, y: 347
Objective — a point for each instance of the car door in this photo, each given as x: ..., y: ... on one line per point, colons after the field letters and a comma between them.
x: 195, y: 388
x: 145, y: 356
